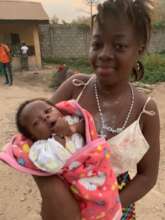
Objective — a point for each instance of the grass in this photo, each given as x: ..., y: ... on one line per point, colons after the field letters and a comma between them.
x: 78, y: 64
x: 154, y: 66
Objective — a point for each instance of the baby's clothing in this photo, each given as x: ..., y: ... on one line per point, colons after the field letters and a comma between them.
x: 87, y: 171
x: 50, y: 155
x: 93, y: 182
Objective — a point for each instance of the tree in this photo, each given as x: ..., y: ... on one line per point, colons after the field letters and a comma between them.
x: 158, y: 12
x: 64, y: 22
x: 161, y: 10
x: 92, y: 3
x: 81, y: 20
x: 54, y: 20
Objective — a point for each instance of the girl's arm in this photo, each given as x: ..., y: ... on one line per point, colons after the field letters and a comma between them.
x: 57, y: 201
x: 147, y: 168
x: 67, y: 90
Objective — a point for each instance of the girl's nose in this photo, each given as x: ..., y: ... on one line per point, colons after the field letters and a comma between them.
x: 106, y: 53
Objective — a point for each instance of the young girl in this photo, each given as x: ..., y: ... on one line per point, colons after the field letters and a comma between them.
x: 128, y: 119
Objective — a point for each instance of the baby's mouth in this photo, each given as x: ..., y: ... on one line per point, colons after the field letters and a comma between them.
x: 52, y: 124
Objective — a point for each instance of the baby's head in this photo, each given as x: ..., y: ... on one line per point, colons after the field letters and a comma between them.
x: 36, y: 118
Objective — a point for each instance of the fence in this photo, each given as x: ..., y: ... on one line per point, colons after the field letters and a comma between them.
x: 73, y: 41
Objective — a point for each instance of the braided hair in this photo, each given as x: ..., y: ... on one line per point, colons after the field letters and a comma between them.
x: 137, y: 12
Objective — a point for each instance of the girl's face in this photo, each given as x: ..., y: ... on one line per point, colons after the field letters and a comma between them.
x: 39, y: 118
x: 113, y: 52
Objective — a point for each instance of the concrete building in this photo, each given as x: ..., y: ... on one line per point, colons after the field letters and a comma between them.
x: 19, y: 21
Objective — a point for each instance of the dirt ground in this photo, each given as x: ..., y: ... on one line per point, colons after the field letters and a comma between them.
x: 19, y: 196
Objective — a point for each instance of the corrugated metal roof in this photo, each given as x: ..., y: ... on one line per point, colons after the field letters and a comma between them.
x: 22, y: 10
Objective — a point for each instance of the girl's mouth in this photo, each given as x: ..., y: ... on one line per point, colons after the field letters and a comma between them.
x: 105, y: 71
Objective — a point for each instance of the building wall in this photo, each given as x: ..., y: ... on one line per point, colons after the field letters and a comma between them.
x: 28, y: 33
x: 157, y: 43
x: 37, y: 46
x: 24, y: 31
x: 63, y: 41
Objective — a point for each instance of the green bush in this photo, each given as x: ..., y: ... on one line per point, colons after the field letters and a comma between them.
x: 154, y: 66
x: 159, y: 25
x: 77, y: 64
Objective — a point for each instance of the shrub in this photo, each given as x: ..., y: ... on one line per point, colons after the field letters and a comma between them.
x: 63, y: 72
x: 154, y: 65
x: 77, y: 64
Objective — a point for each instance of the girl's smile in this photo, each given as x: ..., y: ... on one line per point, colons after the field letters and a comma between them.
x: 105, y: 71
x: 113, y: 51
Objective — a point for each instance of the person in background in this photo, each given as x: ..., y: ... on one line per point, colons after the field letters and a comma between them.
x: 6, y: 65
x: 24, y: 56
x: 63, y: 73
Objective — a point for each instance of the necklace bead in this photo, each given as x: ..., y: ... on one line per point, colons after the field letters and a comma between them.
x: 104, y: 127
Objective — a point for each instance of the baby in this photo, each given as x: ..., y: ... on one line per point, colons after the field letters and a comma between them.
x: 55, y: 135
x: 58, y: 147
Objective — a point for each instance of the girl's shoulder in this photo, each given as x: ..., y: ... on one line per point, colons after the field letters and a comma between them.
x: 144, y: 102
x: 81, y: 76
x: 77, y: 78
x: 70, y: 87
x: 77, y: 81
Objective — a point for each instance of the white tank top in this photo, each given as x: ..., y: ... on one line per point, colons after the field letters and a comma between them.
x: 129, y: 146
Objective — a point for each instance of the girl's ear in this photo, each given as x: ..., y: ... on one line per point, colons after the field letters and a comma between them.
x: 141, y: 49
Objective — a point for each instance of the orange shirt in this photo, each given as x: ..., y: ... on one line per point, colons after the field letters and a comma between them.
x: 4, y: 53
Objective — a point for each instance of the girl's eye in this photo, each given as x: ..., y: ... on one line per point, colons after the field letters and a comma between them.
x: 120, y: 47
x: 96, y: 45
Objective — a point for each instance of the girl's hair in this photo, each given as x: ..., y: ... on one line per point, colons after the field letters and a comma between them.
x: 21, y: 126
x: 137, y: 12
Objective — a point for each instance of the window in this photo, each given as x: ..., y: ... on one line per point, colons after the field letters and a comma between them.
x: 15, y: 39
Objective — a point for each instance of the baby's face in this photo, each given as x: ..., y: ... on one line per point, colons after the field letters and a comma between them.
x: 39, y: 118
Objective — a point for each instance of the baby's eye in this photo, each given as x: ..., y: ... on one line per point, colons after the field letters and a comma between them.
x: 35, y: 123
x: 48, y: 110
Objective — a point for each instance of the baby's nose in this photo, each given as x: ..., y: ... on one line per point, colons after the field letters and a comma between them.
x: 46, y: 117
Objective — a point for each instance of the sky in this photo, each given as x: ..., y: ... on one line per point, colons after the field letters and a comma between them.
x: 65, y: 9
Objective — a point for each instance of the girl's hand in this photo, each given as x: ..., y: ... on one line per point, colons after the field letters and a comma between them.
x: 57, y: 201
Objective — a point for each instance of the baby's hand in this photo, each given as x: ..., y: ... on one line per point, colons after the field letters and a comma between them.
x: 62, y: 128
x: 78, y: 127
x: 60, y: 140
